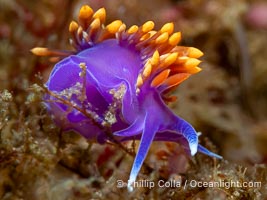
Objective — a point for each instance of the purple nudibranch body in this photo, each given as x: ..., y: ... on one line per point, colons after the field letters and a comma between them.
x: 120, y: 78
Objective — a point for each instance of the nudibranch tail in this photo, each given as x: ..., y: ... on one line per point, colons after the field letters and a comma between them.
x: 119, y: 79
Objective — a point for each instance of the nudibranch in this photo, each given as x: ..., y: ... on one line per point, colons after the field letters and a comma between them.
x: 120, y: 79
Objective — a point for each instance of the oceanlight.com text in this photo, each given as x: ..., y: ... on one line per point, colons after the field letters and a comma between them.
x: 190, y: 183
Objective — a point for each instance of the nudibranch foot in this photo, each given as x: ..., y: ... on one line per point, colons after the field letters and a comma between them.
x: 118, y: 81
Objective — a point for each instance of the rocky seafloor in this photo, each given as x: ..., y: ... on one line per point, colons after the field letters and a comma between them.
x: 226, y: 102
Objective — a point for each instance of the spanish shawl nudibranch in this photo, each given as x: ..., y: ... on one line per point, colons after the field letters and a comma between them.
x: 120, y: 78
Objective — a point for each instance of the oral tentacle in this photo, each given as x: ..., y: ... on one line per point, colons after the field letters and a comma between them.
x: 189, y: 133
x: 203, y: 150
x: 150, y: 129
